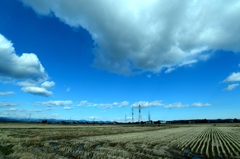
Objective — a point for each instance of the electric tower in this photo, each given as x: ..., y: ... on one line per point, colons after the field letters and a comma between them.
x: 139, y: 114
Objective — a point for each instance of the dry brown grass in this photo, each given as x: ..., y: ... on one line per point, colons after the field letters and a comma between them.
x: 118, y: 141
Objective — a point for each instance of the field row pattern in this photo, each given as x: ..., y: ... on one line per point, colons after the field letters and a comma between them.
x: 211, y: 142
x: 205, y: 142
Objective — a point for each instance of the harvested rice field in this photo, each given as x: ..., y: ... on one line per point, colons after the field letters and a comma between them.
x: 27, y: 141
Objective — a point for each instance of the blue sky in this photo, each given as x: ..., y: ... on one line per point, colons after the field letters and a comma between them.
x: 98, y: 59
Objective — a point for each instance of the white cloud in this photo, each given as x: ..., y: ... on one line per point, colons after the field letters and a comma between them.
x: 27, y: 83
x: 94, y: 118
x: 7, y: 104
x: 170, y: 69
x: 13, y: 109
x: 6, y: 93
x: 115, y: 103
x: 55, y: 103
x: 123, y: 104
x: 67, y: 108
x: 37, y: 91
x: 35, y: 111
x: 22, y: 113
x: 176, y: 105
x: 198, y: 104
x: 157, y: 103
x: 145, y: 104
x: 48, y: 84
x: 120, y: 119
x: 234, y: 77
x: 137, y: 36
x: 37, y: 88
x: 83, y: 103
x: 103, y: 105
x: 27, y: 68
x: 231, y: 87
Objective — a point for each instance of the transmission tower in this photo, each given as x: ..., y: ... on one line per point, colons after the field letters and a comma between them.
x: 149, y: 117
x: 132, y: 115
x: 29, y: 117
x: 139, y: 114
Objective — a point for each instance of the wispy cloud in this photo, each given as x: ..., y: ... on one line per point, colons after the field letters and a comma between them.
x: 120, y: 119
x: 147, y: 104
x: 67, y: 108
x: 94, y: 118
x: 48, y: 84
x: 13, y: 109
x: 54, y: 103
x: 169, y: 70
x: 198, y: 104
x: 6, y: 93
x: 22, y: 113
x: 234, y: 77
x: 143, y: 104
x: 7, y: 104
x: 231, y: 87
x: 103, y: 105
x: 159, y: 103
x: 83, y: 103
x: 176, y: 105
x: 35, y: 110
x: 121, y: 104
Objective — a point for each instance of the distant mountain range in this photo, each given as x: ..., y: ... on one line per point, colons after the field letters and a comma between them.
x: 27, y: 120
x: 191, y: 121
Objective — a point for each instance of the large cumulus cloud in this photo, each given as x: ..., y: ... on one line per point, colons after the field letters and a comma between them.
x: 26, y: 68
x: 21, y: 67
x: 133, y: 36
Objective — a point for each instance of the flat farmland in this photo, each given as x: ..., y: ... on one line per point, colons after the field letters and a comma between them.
x: 27, y: 141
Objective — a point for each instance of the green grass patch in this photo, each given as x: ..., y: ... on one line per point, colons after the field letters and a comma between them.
x: 6, y: 150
